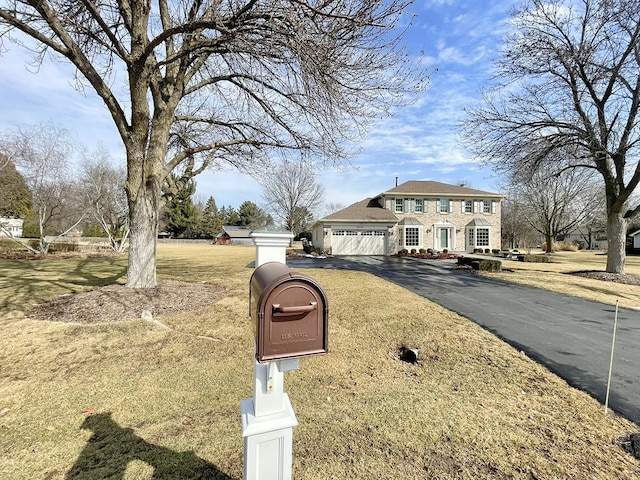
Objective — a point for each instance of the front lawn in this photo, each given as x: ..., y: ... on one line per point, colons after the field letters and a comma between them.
x: 130, y: 399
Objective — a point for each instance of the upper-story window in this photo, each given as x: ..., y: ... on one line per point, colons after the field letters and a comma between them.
x: 417, y: 206
x: 486, y: 206
x: 443, y: 205
x: 398, y: 206
x: 468, y: 206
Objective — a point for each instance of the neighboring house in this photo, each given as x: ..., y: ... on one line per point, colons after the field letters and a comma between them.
x: 413, y: 215
x: 233, y: 235
x: 591, y: 238
x: 11, y: 227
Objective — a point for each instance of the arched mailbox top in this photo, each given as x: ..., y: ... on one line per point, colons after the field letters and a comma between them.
x: 290, y: 313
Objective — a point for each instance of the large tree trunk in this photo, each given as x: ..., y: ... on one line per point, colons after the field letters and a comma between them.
x: 616, y: 242
x: 549, y: 243
x: 144, y: 191
x: 144, y: 209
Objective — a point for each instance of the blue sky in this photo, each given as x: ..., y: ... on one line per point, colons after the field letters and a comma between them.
x: 459, y: 38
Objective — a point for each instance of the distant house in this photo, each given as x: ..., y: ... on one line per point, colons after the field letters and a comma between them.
x: 233, y: 235
x: 635, y: 236
x: 414, y: 215
x: 591, y: 238
x: 11, y: 227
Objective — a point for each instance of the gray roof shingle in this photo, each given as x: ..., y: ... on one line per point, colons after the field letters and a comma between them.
x: 426, y: 187
x: 367, y: 210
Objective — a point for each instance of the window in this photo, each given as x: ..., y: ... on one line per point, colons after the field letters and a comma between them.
x: 399, y: 204
x: 482, y: 236
x: 468, y: 206
x: 444, y: 206
x: 486, y: 206
x: 412, y: 236
x: 418, y: 205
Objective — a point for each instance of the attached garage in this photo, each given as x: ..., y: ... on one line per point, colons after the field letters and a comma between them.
x: 359, y: 242
x: 364, y: 228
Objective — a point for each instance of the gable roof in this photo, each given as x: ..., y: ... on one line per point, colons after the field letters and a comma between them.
x: 427, y: 187
x: 237, y: 232
x: 367, y: 210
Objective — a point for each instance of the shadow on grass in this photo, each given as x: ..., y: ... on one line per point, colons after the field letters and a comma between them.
x: 36, y: 280
x: 111, y: 448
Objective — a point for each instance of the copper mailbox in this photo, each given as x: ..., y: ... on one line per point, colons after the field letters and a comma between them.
x: 289, y: 312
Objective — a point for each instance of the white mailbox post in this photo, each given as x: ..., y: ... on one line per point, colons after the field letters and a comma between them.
x: 268, y: 418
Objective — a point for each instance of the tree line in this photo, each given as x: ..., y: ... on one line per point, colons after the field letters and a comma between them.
x: 40, y: 185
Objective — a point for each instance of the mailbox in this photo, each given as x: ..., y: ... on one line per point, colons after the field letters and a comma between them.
x: 289, y: 312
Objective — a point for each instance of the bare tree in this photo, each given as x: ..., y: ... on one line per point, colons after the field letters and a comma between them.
x: 41, y: 153
x: 331, y: 207
x: 103, y: 186
x: 554, y: 204
x: 568, y: 82
x: 516, y: 230
x: 291, y: 193
x: 210, y: 82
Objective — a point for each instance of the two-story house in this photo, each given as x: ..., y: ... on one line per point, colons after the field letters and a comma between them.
x: 413, y: 215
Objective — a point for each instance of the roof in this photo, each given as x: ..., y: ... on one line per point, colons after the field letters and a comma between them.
x: 409, y: 221
x: 237, y: 232
x: 367, y: 210
x: 427, y: 187
x: 634, y: 233
x: 478, y: 222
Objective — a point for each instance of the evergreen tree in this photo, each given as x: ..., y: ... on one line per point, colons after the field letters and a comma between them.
x: 230, y: 216
x: 211, y: 220
x: 15, y: 201
x: 252, y: 216
x: 181, y: 214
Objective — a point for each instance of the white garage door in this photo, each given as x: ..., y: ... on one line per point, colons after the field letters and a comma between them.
x: 358, y: 242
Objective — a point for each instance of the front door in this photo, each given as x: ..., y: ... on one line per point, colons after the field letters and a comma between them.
x: 444, y: 238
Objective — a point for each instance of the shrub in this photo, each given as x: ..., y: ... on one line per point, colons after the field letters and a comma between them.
x: 430, y: 251
x: 495, y: 251
x: 567, y: 246
x: 404, y: 251
x: 422, y: 250
x: 487, y: 265
x: 63, y: 247
x: 9, y: 246
x: 487, y: 250
x: 413, y: 250
x: 534, y: 258
x: 477, y: 250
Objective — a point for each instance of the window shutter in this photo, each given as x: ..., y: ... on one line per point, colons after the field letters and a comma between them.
x: 475, y: 206
x: 462, y: 206
x: 407, y: 203
x: 438, y: 205
x: 450, y: 206
x: 493, y: 207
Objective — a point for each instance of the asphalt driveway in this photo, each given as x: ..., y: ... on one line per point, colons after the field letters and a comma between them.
x: 569, y: 335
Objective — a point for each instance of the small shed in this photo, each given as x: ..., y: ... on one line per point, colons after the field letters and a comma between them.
x: 234, y: 235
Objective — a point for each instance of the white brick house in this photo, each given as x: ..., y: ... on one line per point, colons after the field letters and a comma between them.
x: 11, y: 227
x: 414, y: 215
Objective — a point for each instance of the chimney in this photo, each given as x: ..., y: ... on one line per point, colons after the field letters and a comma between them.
x: 396, y: 181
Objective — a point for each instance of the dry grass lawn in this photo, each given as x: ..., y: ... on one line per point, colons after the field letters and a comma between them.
x: 131, y: 400
x: 557, y: 276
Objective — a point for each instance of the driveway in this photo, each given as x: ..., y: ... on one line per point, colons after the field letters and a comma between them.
x: 570, y: 336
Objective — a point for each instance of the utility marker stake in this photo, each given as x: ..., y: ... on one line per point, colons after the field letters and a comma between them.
x: 613, y: 344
